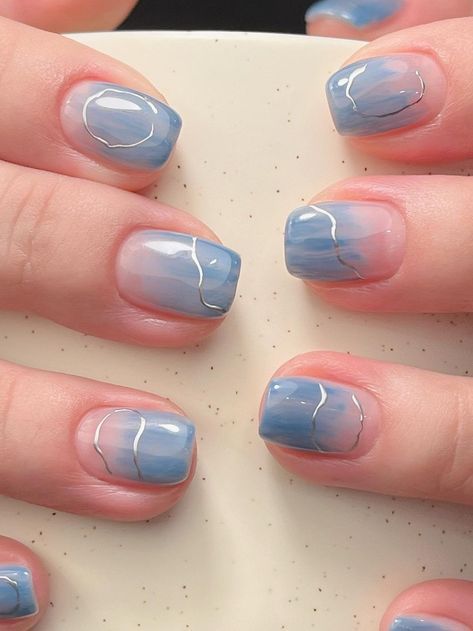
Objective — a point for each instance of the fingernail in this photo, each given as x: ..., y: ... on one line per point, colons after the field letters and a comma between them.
x: 421, y: 623
x: 145, y: 446
x: 313, y: 415
x: 344, y: 241
x: 380, y: 94
x: 178, y: 273
x: 121, y: 126
x: 359, y: 13
x: 17, y: 596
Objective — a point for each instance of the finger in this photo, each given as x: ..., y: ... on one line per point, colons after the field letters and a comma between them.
x: 369, y: 19
x: 102, y: 450
x: 407, y: 97
x: 69, y: 109
x: 352, y: 422
x: 445, y: 605
x: 387, y: 244
x: 110, y: 262
x: 68, y: 15
x: 24, y: 587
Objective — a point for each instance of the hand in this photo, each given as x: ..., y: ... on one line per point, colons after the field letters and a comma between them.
x: 78, y: 132
x: 393, y: 244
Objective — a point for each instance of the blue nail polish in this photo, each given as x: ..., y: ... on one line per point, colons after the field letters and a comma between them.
x: 146, y: 446
x: 178, y: 273
x: 414, y: 623
x: 17, y: 596
x: 380, y: 94
x: 358, y: 13
x: 312, y: 415
x: 344, y: 241
x: 125, y: 127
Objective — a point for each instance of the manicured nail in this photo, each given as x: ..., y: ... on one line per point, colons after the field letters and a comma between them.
x: 178, y: 273
x: 119, y: 125
x: 313, y: 415
x: 421, y: 623
x: 17, y: 596
x: 145, y: 446
x: 344, y: 240
x: 358, y: 13
x: 377, y: 95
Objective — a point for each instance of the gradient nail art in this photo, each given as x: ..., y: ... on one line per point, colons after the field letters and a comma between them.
x: 358, y: 13
x: 421, y: 623
x: 312, y: 415
x: 146, y: 446
x: 380, y: 94
x: 178, y: 273
x: 344, y: 241
x: 17, y: 596
x: 120, y: 125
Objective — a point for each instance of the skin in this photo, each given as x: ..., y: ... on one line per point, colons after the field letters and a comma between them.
x: 34, y: 189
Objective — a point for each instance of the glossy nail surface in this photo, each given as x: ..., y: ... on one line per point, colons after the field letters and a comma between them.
x: 344, y: 240
x: 323, y: 416
x: 421, y: 623
x: 358, y: 13
x: 380, y: 94
x: 17, y: 596
x: 120, y: 125
x: 178, y: 273
x: 146, y: 446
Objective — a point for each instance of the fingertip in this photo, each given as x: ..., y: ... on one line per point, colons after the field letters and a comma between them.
x: 24, y: 586
x: 447, y: 605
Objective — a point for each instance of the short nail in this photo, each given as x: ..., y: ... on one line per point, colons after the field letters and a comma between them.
x: 177, y: 273
x: 119, y: 125
x: 426, y: 623
x: 380, y: 94
x: 17, y: 596
x: 358, y: 13
x: 315, y: 415
x: 145, y: 446
x: 344, y: 241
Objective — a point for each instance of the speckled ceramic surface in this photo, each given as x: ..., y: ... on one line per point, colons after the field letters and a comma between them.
x: 249, y: 548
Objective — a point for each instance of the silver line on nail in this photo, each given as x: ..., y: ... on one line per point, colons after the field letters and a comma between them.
x: 136, y: 440
x: 359, y: 71
x: 14, y: 585
x: 104, y: 140
x: 362, y: 420
x: 322, y: 402
x: 201, y: 279
x: 136, y: 443
x: 333, y: 233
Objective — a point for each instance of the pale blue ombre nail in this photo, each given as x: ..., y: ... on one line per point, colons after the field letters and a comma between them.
x: 147, y: 446
x: 17, y: 596
x: 380, y: 94
x: 358, y: 13
x: 124, y: 127
x: 344, y: 241
x: 178, y: 273
x: 313, y: 415
x: 421, y: 623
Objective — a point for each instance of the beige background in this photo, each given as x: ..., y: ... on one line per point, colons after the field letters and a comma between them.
x: 248, y: 549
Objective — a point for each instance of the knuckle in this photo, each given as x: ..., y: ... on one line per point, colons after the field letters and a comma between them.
x: 25, y: 226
